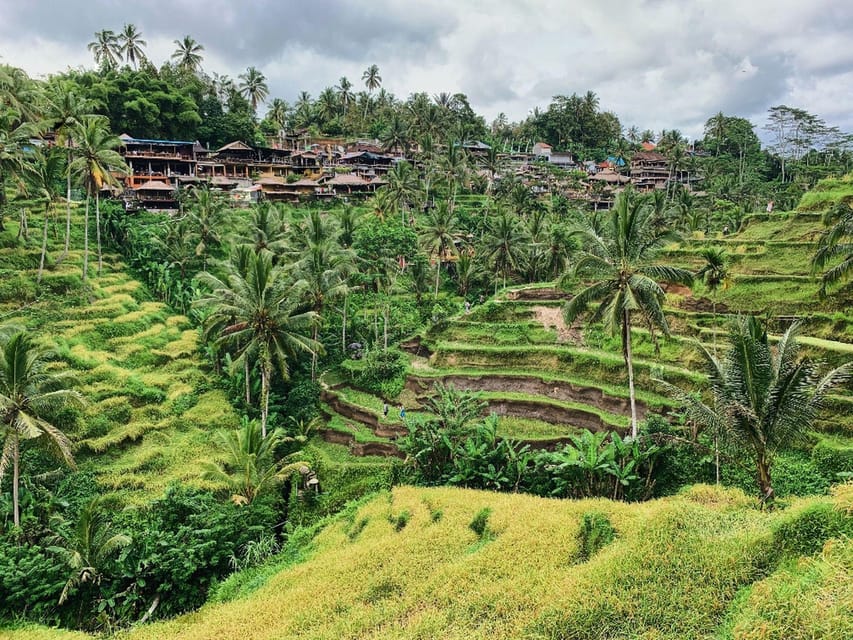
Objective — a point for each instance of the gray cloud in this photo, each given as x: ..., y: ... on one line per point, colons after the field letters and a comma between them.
x: 656, y: 63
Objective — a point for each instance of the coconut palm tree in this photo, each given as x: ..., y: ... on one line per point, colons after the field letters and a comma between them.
x: 130, y: 45
x: 42, y: 172
x: 439, y: 228
x: 278, y: 113
x: 250, y: 467
x: 266, y: 230
x: 396, y: 135
x: 624, y: 277
x: 90, y: 546
x: 106, y: 49
x: 372, y: 79
x: 207, y: 217
x: 835, y: 246
x: 345, y: 94
x: 29, y: 392
x: 402, y: 188
x: 714, y: 274
x: 765, y: 397
x: 327, y: 105
x: 324, y: 267
x: 253, y: 87
x: 15, y: 134
x: 504, y: 243
x: 258, y: 315
x: 188, y: 54
x: 66, y: 109
x: 95, y: 163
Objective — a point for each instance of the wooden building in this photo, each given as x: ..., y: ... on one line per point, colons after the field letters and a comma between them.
x: 156, y: 194
x: 158, y: 160
x: 649, y: 170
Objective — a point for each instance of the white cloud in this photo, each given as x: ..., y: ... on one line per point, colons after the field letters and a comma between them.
x: 656, y: 63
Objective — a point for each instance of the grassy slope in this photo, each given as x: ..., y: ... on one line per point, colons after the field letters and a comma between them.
x: 697, y: 565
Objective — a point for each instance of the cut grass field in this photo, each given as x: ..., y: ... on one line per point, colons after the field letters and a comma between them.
x: 703, y: 564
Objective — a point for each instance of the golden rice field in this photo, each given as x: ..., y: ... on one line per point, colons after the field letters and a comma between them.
x: 703, y: 564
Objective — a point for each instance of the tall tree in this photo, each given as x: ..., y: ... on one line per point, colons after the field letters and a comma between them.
x: 345, y: 94
x: 66, y: 109
x: 106, y: 49
x: 188, y: 54
x: 43, y: 171
x: 372, y: 79
x: 95, y: 163
x: 624, y: 277
x: 765, y: 397
x: 253, y: 87
x: 504, y: 243
x: 30, y: 391
x: 258, y: 315
x: 131, y: 45
x: 439, y: 229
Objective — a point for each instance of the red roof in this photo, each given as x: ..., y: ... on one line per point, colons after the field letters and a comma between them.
x: 155, y: 185
x: 648, y: 146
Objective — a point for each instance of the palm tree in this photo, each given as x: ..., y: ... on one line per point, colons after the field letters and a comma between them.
x: 106, y: 49
x: 835, y: 245
x: 304, y: 109
x: 91, y: 545
x: 95, y: 163
x: 267, y: 229
x: 327, y: 105
x: 29, y: 391
x: 324, y: 267
x: 438, y: 230
x: 765, y: 397
x: 372, y: 79
x: 42, y: 173
x: 402, y: 188
x: 130, y: 45
x: 250, y: 468
x: 345, y: 94
x: 207, y: 216
x: 396, y: 135
x: 504, y: 243
x: 258, y: 314
x: 278, y: 112
x: 188, y: 54
x: 625, y: 277
x: 66, y: 109
x: 714, y: 274
x: 253, y: 87
x: 15, y: 134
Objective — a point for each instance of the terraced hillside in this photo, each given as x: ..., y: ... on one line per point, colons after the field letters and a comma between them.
x: 151, y: 404
x: 547, y: 379
x: 454, y: 563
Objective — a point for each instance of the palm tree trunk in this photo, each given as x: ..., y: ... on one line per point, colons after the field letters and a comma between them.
x: 629, y: 361
x: 437, y: 275
x: 344, y: 327
x: 86, y: 241
x: 16, y: 514
x: 247, y: 381
x: 765, y: 483
x: 385, y: 328
x: 67, y: 210
x: 43, y: 242
x: 98, y: 229
x: 314, y: 356
x: 265, y: 398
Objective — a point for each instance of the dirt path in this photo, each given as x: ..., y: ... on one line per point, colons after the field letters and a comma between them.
x: 552, y: 317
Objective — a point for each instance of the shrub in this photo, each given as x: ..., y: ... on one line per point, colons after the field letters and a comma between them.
x: 383, y: 371
x: 595, y: 533
x: 401, y: 520
x: 480, y: 523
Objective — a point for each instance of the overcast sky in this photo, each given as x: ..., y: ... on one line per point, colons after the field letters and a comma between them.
x: 655, y: 63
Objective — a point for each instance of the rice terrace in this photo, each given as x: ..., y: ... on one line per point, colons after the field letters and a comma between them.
x: 426, y: 350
